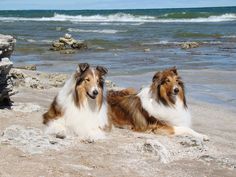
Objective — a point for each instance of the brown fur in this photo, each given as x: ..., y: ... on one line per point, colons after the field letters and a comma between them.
x: 125, y: 108
x: 162, y: 87
x: 53, y: 113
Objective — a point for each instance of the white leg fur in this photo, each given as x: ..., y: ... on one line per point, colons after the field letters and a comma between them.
x: 188, y: 131
x: 57, y: 128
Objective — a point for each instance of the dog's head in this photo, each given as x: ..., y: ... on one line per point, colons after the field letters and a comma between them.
x: 90, y: 81
x: 167, y: 85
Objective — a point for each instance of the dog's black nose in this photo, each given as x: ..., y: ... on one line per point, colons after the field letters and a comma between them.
x: 176, y: 90
x: 95, y: 92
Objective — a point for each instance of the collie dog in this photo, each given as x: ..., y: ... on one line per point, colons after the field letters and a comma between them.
x: 160, y: 108
x: 80, y: 108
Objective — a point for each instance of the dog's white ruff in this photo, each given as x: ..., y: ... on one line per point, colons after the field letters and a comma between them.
x: 178, y: 116
x: 82, y: 122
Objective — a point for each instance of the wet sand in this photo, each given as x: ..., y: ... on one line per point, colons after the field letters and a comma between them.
x: 125, y: 153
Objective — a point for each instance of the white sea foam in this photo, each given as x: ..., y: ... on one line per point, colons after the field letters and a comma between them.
x: 165, y: 42
x: 34, y: 41
x: 122, y: 17
x: 107, y: 31
x: 230, y: 36
x: 123, y: 23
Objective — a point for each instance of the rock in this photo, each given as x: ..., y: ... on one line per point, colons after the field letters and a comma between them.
x: 58, y: 46
x: 67, y: 42
x: 189, y: 45
x: 28, y: 67
x: 17, y: 74
x: 32, y: 140
x: 156, y: 148
x: 7, y: 44
x: 147, y: 50
x: 68, y: 36
x: 79, y: 45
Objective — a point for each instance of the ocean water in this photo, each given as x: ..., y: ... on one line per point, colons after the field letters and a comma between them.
x: 117, y: 38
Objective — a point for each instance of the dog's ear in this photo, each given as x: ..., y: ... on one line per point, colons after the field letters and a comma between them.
x: 82, y: 67
x: 102, y: 70
x: 174, y: 70
x: 157, y: 77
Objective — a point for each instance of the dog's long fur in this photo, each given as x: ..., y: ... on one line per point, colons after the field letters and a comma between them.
x: 160, y: 108
x: 80, y: 108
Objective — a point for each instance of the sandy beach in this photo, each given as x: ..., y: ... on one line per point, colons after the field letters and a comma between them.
x: 26, y: 151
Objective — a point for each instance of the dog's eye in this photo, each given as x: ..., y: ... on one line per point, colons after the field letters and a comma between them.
x: 87, y: 80
x: 167, y: 80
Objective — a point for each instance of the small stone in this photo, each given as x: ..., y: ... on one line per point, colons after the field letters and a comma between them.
x: 6, y: 60
x: 147, y: 50
x: 68, y: 36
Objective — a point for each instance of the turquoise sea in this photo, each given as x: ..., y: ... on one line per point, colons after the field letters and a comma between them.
x: 117, y: 38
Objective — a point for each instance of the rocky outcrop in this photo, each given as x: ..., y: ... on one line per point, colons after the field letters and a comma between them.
x: 68, y: 44
x: 189, y: 45
x: 7, y: 44
x: 27, y: 67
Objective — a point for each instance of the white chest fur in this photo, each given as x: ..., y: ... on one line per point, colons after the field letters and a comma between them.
x: 177, y: 115
x: 85, y: 122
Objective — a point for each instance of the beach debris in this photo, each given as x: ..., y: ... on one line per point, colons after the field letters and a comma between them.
x: 7, y: 44
x: 67, y: 45
x: 189, y: 45
x: 27, y: 67
x: 32, y: 140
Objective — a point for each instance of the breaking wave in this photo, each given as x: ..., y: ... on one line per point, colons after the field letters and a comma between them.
x: 107, y: 31
x: 124, y: 17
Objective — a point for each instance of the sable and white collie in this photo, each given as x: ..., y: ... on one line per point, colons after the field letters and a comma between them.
x: 80, y: 108
x: 159, y: 108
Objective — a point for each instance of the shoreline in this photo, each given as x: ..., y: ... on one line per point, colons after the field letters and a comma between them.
x: 141, y: 154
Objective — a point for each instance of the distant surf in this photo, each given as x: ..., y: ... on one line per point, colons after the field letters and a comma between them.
x: 106, y: 31
x: 127, y: 17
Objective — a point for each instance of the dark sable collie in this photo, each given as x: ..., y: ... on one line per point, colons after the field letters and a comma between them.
x: 79, y: 108
x: 159, y: 108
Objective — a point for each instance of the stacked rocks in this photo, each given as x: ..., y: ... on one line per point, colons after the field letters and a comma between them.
x: 67, y: 43
x: 7, y: 44
x: 189, y: 45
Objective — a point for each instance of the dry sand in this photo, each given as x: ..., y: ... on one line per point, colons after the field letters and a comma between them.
x: 25, y: 151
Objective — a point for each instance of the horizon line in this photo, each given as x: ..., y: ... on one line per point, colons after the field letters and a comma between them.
x: 122, y: 8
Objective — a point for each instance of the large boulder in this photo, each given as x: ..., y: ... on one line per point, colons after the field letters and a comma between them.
x: 7, y: 44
